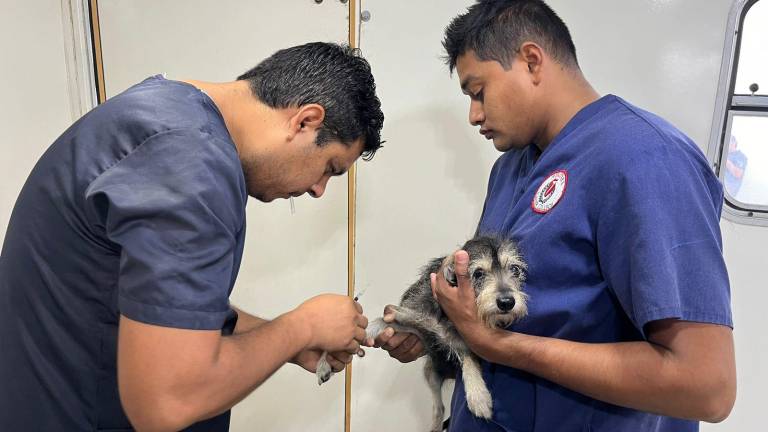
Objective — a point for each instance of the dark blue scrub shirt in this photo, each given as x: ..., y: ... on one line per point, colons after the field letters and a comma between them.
x: 618, y: 220
x: 137, y: 209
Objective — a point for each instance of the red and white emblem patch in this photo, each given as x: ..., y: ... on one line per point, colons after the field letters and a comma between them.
x: 550, y: 192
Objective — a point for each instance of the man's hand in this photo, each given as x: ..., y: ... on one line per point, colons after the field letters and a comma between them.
x: 405, y: 347
x: 308, y: 359
x: 335, y: 323
x: 458, y: 302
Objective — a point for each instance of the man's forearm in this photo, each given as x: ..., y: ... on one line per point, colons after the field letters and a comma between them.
x: 191, y: 391
x: 639, y: 375
x: 255, y: 355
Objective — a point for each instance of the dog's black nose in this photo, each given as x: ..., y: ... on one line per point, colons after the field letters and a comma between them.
x: 505, y: 304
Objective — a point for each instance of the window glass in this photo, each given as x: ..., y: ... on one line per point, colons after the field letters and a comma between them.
x: 753, y: 58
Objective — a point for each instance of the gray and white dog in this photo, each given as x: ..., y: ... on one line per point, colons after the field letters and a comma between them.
x: 497, y: 273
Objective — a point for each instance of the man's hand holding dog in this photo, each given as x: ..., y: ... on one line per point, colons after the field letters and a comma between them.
x: 458, y: 302
x: 405, y: 347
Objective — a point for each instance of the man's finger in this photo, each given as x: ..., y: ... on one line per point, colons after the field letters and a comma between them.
x: 362, y: 321
x: 402, y: 346
x: 389, y: 310
x: 359, y: 307
x: 360, y: 335
x: 383, y: 337
x: 414, y: 353
x: 395, y: 341
x: 461, y: 267
x: 417, y: 350
x: 340, y: 357
x: 433, y: 283
x: 337, y: 367
x: 389, y: 318
x: 353, y: 347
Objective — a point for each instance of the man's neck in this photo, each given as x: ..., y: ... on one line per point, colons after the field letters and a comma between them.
x: 566, y: 100
x: 234, y: 100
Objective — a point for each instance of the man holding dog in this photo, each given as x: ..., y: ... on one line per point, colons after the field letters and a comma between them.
x: 126, y: 240
x: 629, y: 325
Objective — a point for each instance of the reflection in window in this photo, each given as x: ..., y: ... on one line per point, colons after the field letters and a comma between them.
x: 745, y: 166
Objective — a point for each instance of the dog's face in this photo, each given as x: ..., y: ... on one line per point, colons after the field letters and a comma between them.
x: 497, y: 272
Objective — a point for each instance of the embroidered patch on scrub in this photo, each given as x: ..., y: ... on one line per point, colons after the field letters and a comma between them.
x: 550, y: 192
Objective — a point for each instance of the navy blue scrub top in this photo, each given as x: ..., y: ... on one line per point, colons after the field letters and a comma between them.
x: 618, y: 220
x: 137, y: 209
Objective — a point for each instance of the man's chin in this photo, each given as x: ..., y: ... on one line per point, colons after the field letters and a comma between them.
x: 505, y: 146
x: 263, y: 198
x: 501, y: 145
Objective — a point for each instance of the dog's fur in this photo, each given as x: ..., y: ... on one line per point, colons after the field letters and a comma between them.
x: 497, y: 274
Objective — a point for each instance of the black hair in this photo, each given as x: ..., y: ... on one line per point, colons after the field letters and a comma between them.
x: 331, y: 75
x: 495, y: 30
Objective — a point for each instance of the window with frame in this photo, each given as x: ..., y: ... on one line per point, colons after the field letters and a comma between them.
x: 739, y: 144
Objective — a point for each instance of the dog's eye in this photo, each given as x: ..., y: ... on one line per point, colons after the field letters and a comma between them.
x: 516, y: 270
x: 478, y: 274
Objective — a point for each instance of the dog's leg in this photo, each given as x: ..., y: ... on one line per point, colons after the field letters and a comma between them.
x: 478, y: 397
x: 377, y: 326
x: 323, y: 370
x: 428, y: 325
x: 435, y: 382
x: 423, y: 324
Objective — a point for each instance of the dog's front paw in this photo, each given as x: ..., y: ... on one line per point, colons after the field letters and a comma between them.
x: 324, y: 370
x: 480, y: 403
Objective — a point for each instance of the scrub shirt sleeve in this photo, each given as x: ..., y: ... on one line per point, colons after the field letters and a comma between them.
x: 658, y: 237
x: 175, y: 206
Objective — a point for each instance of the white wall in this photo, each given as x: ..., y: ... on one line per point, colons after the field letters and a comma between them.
x: 423, y: 195
x: 34, y: 108
x: 288, y: 258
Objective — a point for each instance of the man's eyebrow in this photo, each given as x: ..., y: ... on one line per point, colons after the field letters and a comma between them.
x: 466, y: 82
x: 336, y: 171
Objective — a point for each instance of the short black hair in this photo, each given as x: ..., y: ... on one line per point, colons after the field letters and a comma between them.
x: 495, y: 30
x: 328, y: 74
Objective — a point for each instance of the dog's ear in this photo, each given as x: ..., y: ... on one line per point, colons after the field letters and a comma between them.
x: 448, y: 271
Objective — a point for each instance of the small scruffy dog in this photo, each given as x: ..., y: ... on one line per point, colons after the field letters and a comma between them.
x: 497, y: 273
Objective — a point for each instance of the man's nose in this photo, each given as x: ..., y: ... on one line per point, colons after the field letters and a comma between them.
x: 318, y: 189
x: 476, y: 114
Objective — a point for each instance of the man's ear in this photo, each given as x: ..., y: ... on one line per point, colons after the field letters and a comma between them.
x: 307, y: 118
x: 532, y: 56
